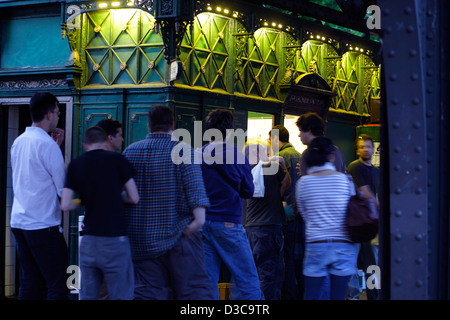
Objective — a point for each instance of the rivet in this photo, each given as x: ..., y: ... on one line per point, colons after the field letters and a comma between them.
x: 397, y: 167
x: 418, y: 149
x: 429, y: 136
x: 412, y: 53
x: 419, y: 283
x: 398, y: 259
x: 430, y: 35
x: 429, y: 90
x: 417, y: 125
x: 398, y: 213
x: 393, y: 77
x: 394, y: 101
x: 414, y: 76
x: 396, y: 125
x: 408, y: 10
x: 419, y: 214
x: 398, y: 191
x: 391, y: 53
x: 397, y: 149
x: 419, y: 237
x: 415, y: 101
x: 410, y: 29
x: 429, y: 113
x: 419, y: 191
x: 398, y: 237
x: 419, y: 261
x: 398, y: 283
x: 386, y: 11
x: 419, y: 167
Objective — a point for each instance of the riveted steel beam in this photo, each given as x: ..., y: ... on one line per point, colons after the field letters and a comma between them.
x: 406, y: 149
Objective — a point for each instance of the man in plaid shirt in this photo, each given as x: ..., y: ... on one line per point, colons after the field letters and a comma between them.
x: 164, y: 226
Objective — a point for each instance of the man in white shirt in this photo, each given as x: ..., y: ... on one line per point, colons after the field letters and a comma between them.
x: 38, y: 173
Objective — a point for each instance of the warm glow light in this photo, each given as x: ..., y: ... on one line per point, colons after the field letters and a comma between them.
x: 266, y: 24
x: 226, y: 11
x: 209, y: 8
x: 219, y: 9
x: 130, y: 3
x: 274, y: 24
x: 115, y: 3
x: 102, y: 5
x: 280, y: 26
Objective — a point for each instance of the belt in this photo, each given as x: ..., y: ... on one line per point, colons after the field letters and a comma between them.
x: 331, y: 241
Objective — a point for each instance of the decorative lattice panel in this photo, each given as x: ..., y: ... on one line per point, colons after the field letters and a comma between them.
x: 121, y: 47
x: 204, y: 52
x: 257, y: 65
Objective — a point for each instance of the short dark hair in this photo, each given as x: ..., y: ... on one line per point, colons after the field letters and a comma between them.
x: 40, y: 104
x: 363, y: 137
x: 160, y: 118
x: 283, y: 133
x: 110, y: 126
x: 311, y: 121
x: 220, y: 120
x: 94, y: 135
x: 318, y: 151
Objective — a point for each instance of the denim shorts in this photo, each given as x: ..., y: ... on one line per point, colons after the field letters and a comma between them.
x: 337, y: 258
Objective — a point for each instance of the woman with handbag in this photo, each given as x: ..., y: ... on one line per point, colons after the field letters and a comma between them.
x: 322, y: 198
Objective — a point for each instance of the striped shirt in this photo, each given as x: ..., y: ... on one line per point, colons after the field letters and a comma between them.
x: 322, y: 202
x: 168, y: 193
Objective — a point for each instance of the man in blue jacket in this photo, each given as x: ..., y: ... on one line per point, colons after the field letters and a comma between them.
x: 228, y: 178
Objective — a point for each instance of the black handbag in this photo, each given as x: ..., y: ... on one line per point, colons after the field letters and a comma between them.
x: 362, y: 219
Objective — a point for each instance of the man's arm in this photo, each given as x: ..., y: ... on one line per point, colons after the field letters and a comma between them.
x: 67, y: 201
x: 197, y: 223
x: 130, y: 194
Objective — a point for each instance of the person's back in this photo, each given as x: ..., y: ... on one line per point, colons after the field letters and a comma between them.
x: 268, y: 210
x: 38, y: 173
x: 226, y: 181
x: 223, y: 234
x: 99, y: 176
x: 323, y: 202
x: 37, y: 181
x: 322, y: 198
x: 165, y: 199
x: 164, y: 228
x: 103, y: 180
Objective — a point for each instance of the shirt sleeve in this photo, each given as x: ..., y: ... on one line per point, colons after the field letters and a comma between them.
x: 192, y: 180
x: 56, y: 167
x: 247, y: 187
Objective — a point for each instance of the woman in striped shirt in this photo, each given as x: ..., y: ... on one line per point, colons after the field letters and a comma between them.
x: 322, y: 198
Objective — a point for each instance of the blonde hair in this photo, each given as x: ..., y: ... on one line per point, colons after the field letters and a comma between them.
x: 260, y: 146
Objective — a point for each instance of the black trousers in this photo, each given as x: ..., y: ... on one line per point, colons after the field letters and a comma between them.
x: 43, y: 261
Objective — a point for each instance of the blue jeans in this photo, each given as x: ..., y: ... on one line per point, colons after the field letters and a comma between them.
x: 267, y: 247
x: 43, y: 260
x: 327, y: 268
x: 107, y: 258
x: 228, y: 242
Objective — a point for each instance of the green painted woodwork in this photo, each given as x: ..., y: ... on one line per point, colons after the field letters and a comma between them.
x: 122, y: 48
x: 44, y: 46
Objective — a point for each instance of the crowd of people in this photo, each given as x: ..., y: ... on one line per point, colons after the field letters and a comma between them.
x: 157, y: 229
